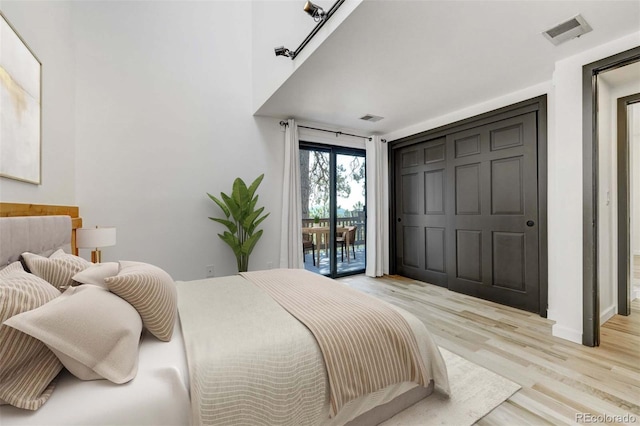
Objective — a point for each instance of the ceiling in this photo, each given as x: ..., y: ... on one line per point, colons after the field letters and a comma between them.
x: 410, y: 61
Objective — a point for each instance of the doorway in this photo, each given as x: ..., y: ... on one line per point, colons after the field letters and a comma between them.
x: 628, y: 144
x: 469, y: 206
x: 615, y: 190
x: 593, y: 196
x: 633, y: 143
x: 333, y: 183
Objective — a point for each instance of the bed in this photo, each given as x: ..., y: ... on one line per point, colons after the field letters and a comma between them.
x: 236, y: 354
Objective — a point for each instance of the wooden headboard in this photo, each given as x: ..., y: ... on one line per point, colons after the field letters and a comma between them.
x: 16, y: 209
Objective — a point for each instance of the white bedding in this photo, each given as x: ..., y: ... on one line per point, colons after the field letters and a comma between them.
x: 158, y: 395
x: 241, y: 341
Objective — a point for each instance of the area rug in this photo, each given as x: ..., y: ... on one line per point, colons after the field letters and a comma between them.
x: 475, y: 391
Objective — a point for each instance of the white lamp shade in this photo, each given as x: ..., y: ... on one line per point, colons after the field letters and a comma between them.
x: 96, y: 237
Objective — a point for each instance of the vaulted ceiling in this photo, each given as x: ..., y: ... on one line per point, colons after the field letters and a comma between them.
x: 409, y: 61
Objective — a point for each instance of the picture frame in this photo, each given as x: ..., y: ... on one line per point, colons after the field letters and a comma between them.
x: 20, y: 108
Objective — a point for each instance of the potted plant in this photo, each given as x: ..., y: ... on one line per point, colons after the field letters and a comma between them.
x: 241, y: 219
x: 316, y: 221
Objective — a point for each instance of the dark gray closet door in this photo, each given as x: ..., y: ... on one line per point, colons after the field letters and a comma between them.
x: 493, y: 249
x: 466, y: 211
x: 421, y: 216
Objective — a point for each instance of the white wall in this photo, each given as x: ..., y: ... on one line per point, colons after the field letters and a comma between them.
x: 607, y: 203
x: 284, y: 23
x: 46, y: 28
x: 164, y: 116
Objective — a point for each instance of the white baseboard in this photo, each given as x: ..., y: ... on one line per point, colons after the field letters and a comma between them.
x: 636, y: 252
x: 606, y: 314
x: 567, y: 333
x: 635, y: 292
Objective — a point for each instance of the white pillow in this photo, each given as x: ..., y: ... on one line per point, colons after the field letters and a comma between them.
x: 152, y: 292
x: 95, y: 274
x: 94, y: 332
x: 57, y: 269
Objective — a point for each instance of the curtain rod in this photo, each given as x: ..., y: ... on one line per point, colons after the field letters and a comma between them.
x: 338, y: 133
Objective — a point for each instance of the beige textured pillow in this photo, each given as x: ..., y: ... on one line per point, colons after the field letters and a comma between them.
x: 96, y: 273
x: 27, y: 366
x: 58, y: 269
x: 151, y: 291
x: 94, y: 332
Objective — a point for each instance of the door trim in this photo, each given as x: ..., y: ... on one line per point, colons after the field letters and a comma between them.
x: 590, y: 297
x: 624, y: 209
x: 538, y: 104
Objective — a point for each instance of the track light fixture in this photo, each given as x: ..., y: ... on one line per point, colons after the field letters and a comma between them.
x: 320, y: 16
x: 282, y: 51
x: 315, y: 11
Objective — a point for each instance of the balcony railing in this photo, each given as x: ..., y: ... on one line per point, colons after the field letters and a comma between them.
x: 342, y: 222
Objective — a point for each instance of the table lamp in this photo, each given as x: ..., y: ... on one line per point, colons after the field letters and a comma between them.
x: 96, y: 238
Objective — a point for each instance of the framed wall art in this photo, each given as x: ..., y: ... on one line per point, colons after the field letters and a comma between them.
x: 20, y: 107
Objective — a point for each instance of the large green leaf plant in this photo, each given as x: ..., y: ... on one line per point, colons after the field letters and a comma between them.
x: 241, y: 219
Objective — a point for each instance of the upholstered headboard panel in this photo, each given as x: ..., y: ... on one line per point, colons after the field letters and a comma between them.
x: 36, y: 234
x: 23, y: 210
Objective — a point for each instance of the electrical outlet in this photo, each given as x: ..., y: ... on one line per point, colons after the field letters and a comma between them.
x: 269, y: 265
x: 210, y: 272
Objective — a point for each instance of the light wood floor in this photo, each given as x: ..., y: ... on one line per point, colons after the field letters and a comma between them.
x: 559, y: 379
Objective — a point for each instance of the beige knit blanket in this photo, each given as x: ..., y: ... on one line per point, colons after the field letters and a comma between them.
x: 366, y: 344
x: 250, y: 362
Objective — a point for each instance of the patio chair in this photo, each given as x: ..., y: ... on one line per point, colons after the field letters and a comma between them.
x: 307, y: 244
x: 341, y: 240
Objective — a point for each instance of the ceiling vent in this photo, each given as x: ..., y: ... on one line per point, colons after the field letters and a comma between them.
x: 568, y: 30
x: 372, y: 118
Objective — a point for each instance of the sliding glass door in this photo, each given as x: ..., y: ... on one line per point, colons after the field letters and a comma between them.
x: 333, y: 209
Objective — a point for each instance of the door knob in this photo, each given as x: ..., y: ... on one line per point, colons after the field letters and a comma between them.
x: 530, y: 223
x: 399, y: 219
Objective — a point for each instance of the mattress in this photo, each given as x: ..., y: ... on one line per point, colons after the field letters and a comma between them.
x: 158, y: 395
